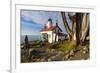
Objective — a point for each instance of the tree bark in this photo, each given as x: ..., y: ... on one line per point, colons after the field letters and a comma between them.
x: 80, y: 26
x: 67, y: 28
x: 85, y: 26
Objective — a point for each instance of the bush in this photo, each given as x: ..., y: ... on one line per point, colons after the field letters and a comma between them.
x: 68, y: 45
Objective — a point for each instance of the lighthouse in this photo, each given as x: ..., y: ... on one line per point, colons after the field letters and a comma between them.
x: 49, y: 23
x: 52, y: 33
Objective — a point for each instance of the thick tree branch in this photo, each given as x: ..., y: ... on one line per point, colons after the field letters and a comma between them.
x: 68, y: 30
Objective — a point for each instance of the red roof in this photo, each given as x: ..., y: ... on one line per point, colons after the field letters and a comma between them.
x: 49, y: 29
x: 52, y: 28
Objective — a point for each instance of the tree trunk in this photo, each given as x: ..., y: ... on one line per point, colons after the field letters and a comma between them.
x: 67, y: 28
x: 80, y: 26
x: 85, y: 26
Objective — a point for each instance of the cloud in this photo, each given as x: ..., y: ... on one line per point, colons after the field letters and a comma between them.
x: 27, y: 20
x: 37, y: 16
x: 33, y: 21
x: 30, y: 22
x: 40, y: 17
x: 29, y: 27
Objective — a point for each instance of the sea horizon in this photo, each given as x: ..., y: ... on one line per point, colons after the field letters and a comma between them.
x: 30, y: 38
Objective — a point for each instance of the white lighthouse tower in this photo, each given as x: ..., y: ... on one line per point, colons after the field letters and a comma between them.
x: 49, y: 24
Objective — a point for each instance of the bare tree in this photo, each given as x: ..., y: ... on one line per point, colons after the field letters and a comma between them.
x: 80, y: 26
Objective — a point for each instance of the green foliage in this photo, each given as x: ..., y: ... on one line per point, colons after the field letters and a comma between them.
x: 54, y: 46
x: 37, y: 46
x: 64, y: 46
x: 67, y: 46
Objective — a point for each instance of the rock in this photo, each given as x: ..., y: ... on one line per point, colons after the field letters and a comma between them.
x: 49, y: 60
x: 71, y: 53
x: 58, y: 57
x: 66, y: 56
x: 67, y: 52
x: 53, y: 57
x: 48, y: 50
x: 60, y: 53
x: 85, y: 48
x: 88, y: 38
x: 30, y: 50
x: 84, y: 52
x: 52, y: 50
x: 38, y: 60
x: 42, y: 59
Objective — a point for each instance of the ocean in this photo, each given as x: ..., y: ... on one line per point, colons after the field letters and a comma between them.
x: 30, y: 38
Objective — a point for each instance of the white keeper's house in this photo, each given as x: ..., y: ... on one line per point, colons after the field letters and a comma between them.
x: 52, y: 33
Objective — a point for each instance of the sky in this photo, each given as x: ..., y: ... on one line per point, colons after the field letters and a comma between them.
x: 33, y: 21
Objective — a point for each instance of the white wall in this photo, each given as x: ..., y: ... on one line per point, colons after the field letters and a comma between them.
x: 5, y: 36
x: 49, y: 33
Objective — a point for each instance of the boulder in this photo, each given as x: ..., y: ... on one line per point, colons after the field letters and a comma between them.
x: 71, y: 53
x: 66, y: 56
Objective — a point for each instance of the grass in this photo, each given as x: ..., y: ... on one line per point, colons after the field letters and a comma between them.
x: 63, y: 46
x: 67, y: 46
x: 35, y: 44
